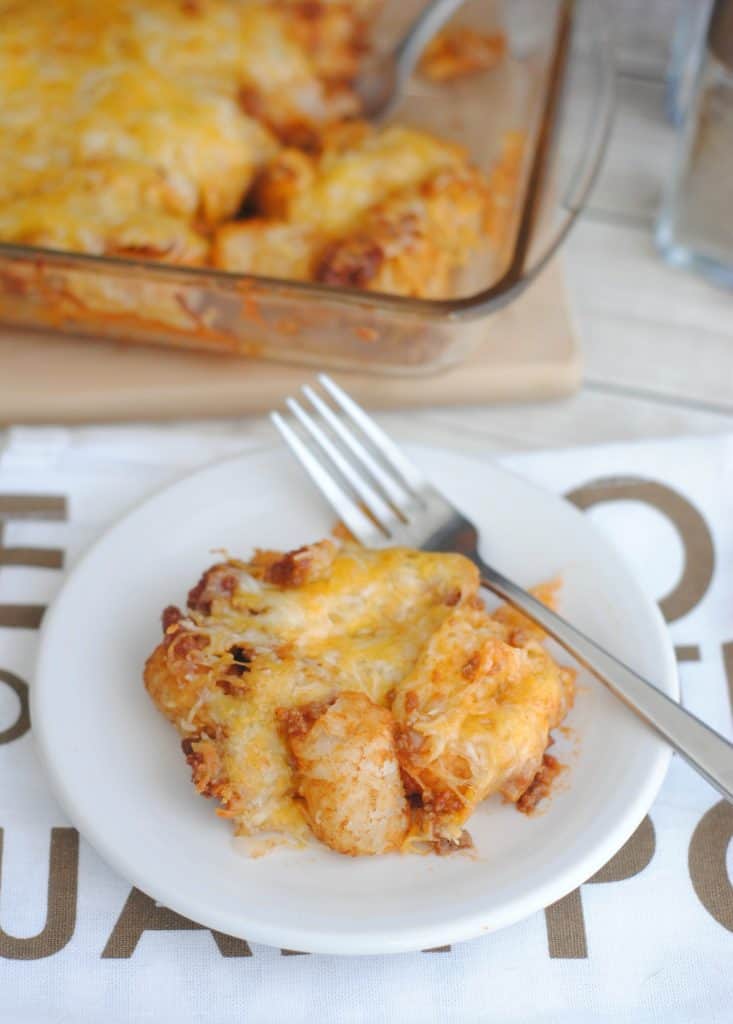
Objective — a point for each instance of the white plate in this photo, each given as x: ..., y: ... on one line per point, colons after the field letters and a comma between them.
x: 117, y: 767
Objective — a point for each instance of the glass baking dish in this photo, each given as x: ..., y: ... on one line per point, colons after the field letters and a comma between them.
x: 216, y: 311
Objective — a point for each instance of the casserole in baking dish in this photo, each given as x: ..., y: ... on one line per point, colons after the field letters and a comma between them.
x: 205, y: 160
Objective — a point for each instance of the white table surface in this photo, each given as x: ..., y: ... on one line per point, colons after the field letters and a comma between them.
x: 658, y: 342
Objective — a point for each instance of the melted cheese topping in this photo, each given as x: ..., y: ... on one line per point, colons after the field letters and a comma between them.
x: 159, y: 89
x: 138, y: 130
x: 394, y: 211
x: 356, y: 169
x: 279, y: 638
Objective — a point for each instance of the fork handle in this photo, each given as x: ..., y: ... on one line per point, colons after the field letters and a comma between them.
x: 706, y: 750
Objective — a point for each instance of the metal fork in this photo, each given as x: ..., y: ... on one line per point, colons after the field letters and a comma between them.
x: 385, y: 500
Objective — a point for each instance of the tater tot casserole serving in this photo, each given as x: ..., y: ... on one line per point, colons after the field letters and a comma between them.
x: 366, y: 698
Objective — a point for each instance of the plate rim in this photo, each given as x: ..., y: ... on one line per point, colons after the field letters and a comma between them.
x: 373, y: 942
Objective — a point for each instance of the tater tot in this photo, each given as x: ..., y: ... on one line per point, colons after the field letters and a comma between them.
x: 348, y: 773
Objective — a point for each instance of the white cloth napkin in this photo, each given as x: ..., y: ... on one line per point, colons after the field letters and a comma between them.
x: 651, y: 940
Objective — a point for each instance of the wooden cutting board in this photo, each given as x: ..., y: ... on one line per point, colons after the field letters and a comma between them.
x: 530, y: 352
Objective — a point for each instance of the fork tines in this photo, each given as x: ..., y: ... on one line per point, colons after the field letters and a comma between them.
x: 360, y: 471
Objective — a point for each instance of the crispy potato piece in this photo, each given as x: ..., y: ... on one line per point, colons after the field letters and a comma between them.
x: 173, y: 693
x: 475, y: 716
x: 348, y: 774
x: 270, y: 248
x: 413, y: 242
x: 292, y: 173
